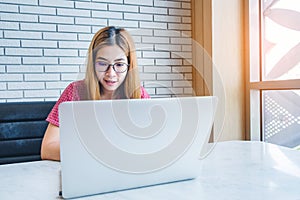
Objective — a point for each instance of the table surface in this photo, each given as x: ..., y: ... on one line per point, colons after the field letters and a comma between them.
x: 233, y: 170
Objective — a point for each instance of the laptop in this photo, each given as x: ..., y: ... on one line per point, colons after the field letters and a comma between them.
x: 113, y: 145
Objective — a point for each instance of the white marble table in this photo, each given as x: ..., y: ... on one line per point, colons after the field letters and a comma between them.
x: 234, y: 170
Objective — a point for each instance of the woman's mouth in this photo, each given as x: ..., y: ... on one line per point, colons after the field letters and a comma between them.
x: 110, y: 82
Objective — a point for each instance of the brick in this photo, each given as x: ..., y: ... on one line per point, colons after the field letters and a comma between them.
x: 143, y: 46
x: 23, y: 52
x: 56, y: 19
x: 165, y: 18
x: 169, y: 76
x: 30, y: 2
x: 2, y: 68
x: 3, y: 86
x: 11, y: 77
x: 9, y: 25
x: 188, y: 91
x: 155, y: 25
x: 11, y: 60
x: 173, y: 26
x: 183, y: 83
x: 90, y: 21
x: 186, y: 34
x: 37, y: 10
x: 97, y: 28
x: 139, y: 31
x: 110, y: 1
x: 73, y: 12
x: 168, y: 47
x: 123, y: 8
x: 167, y: 4
x: 39, y: 43
x: 83, y: 53
x: 61, y: 68
x: 22, y: 34
x: 39, y: 60
x: 139, y: 2
x: 57, y: 85
x: 41, y: 93
x: 123, y: 23
x: 186, y: 47
x: 168, y: 33
x: 18, y: 17
x: 91, y: 5
x: 168, y: 61
x: 38, y: 27
x: 186, y: 5
x: 155, y: 40
x: 59, y: 36
x: 1, y: 51
x: 148, y: 76
x: 60, y: 52
x: 148, y: 54
x: 158, y: 69
x: 25, y: 85
x: 107, y: 14
x: 184, y: 55
x: 74, y: 44
x: 188, y: 76
x: 42, y: 77
x: 181, y: 40
x: 140, y: 17
x: 10, y: 94
x: 9, y: 43
x: 169, y: 91
x: 25, y: 69
x: 180, y: 12
x: 9, y: 8
x: 57, y: 3
x: 158, y: 84
x: 72, y: 60
x: 142, y: 62
x: 74, y: 28
x: 85, y: 37
x: 72, y: 76
x: 182, y: 69
x: 137, y: 39
x: 152, y: 10
x: 186, y: 20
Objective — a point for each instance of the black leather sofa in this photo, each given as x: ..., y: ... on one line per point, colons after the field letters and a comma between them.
x: 22, y: 127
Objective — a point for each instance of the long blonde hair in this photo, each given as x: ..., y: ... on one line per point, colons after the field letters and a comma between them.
x: 108, y: 36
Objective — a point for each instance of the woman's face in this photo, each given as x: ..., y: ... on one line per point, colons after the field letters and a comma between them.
x: 110, y: 79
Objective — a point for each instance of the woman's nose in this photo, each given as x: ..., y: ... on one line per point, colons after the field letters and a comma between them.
x: 110, y: 71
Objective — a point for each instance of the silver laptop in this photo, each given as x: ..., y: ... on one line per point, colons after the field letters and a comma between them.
x: 113, y: 145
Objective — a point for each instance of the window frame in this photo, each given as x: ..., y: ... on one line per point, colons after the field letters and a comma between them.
x: 254, y: 63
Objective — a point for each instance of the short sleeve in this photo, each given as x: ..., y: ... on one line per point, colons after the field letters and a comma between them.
x: 67, y: 95
x: 144, y: 94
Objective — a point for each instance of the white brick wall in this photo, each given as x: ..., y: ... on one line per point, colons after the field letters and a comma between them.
x: 43, y: 44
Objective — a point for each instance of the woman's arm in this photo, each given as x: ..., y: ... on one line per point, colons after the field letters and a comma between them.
x: 50, y: 149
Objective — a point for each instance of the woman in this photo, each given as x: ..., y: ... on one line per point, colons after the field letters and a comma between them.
x: 111, y: 73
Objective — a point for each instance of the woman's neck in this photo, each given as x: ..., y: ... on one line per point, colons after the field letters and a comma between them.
x: 107, y: 95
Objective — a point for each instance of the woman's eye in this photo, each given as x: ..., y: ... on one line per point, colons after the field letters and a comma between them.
x: 101, y: 64
x: 120, y: 64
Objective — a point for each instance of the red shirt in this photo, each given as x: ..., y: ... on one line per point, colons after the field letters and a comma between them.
x: 76, y: 91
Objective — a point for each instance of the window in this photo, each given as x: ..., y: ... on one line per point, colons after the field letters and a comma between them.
x: 274, y: 71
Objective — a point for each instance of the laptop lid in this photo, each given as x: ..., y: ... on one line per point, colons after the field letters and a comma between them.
x: 112, y: 145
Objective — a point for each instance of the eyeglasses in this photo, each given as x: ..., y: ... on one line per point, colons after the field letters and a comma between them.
x: 119, y: 67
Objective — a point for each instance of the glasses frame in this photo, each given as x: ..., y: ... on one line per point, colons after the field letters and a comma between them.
x: 113, y: 66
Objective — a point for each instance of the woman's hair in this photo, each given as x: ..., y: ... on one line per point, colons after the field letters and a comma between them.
x: 109, y: 36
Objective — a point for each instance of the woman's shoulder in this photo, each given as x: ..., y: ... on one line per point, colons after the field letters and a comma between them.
x: 144, y: 93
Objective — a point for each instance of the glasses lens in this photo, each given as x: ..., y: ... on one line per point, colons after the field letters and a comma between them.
x: 120, y: 67
x: 101, y: 66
